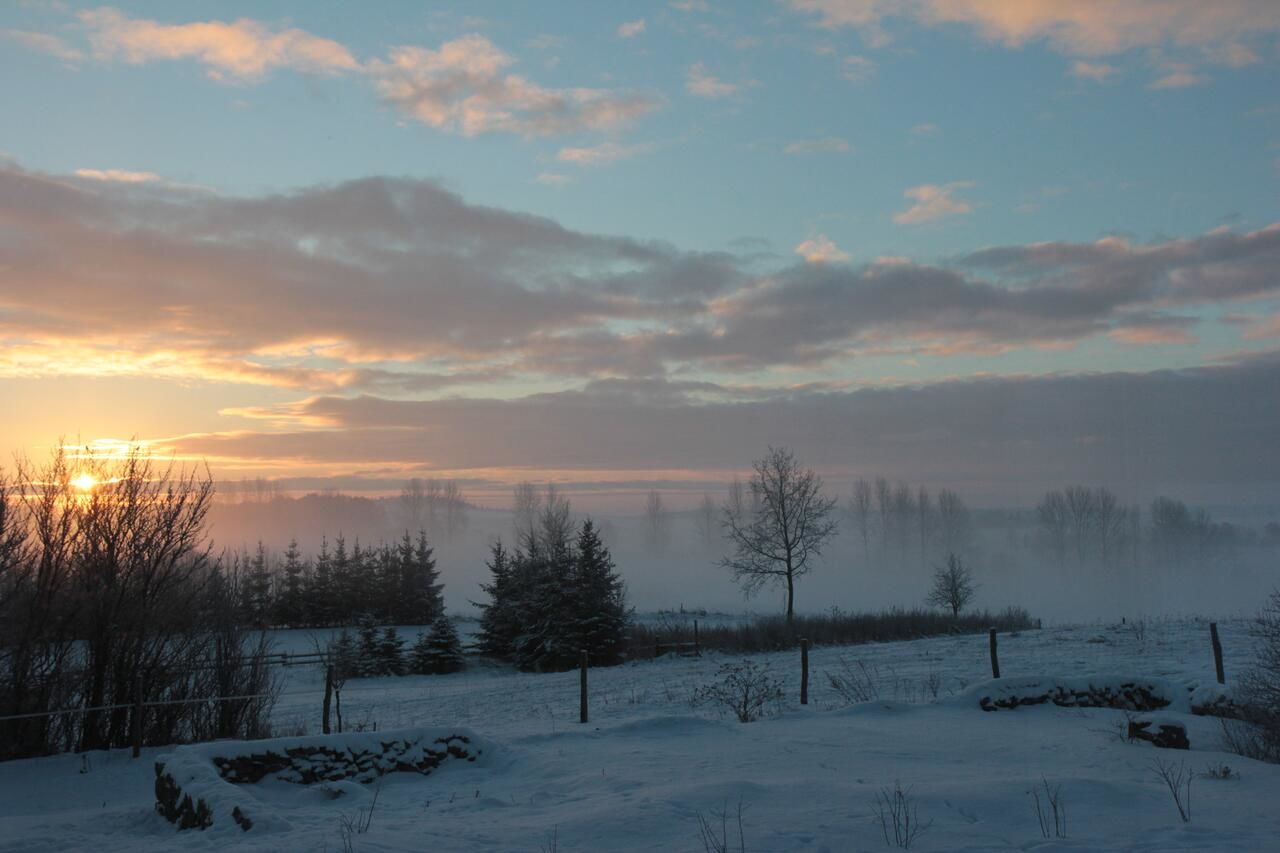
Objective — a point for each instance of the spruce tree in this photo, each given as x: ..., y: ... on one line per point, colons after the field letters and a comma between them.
x: 344, y: 654
x: 369, y: 663
x: 320, y: 609
x: 423, y: 598
x: 498, y: 626
x: 290, y: 605
x: 439, y: 650
x: 390, y: 652
x: 600, y: 613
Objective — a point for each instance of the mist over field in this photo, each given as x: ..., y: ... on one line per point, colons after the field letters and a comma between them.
x: 1222, y: 572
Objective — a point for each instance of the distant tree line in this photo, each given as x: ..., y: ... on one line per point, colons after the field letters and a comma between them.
x: 1084, y: 524
x: 911, y: 523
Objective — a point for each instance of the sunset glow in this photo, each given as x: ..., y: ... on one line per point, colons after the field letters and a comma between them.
x: 514, y: 253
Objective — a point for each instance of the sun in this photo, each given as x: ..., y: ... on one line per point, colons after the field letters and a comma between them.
x: 85, y: 482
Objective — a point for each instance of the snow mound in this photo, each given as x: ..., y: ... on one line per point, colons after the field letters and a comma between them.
x: 202, y: 785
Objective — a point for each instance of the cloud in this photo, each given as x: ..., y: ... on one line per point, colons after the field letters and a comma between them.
x: 44, y: 43
x: 602, y: 154
x: 932, y: 202
x: 701, y: 83
x: 825, y: 145
x: 553, y: 179
x: 121, y: 176
x: 821, y: 250
x: 1073, y: 27
x: 925, y: 129
x: 857, y: 69
x: 110, y: 278
x: 1098, y: 72
x: 1177, y: 75
x: 1184, y: 429
x: 462, y: 86
x: 240, y: 51
x: 631, y: 29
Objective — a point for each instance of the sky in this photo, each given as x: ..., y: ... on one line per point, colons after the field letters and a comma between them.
x: 987, y: 244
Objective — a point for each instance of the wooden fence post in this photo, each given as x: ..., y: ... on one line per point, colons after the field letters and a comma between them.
x: 1217, y: 652
x: 582, y: 699
x: 328, y: 693
x: 995, y: 658
x: 804, y: 671
x: 137, y: 715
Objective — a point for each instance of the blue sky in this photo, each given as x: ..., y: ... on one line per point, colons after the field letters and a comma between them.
x: 807, y: 146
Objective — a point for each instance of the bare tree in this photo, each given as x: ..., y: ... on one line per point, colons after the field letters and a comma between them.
x: 704, y: 519
x: 884, y: 509
x: 556, y: 518
x: 953, y: 586
x: 526, y: 503
x: 1082, y: 506
x: 1053, y: 519
x: 924, y: 514
x: 860, y: 512
x: 656, y: 532
x: 792, y: 522
x: 455, y: 509
x: 413, y: 504
x: 904, y: 511
x: 955, y: 527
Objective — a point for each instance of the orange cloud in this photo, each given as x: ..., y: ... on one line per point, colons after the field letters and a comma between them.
x: 239, y: 51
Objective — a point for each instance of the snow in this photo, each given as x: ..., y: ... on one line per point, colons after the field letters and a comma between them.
x: 649, y: 763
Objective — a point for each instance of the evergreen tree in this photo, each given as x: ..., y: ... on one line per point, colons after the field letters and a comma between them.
x: 342, y: 584
x: 290, y: 607
x: 256, y: 588
x: 439, y: 650
x: 344, y: 654
x: 600, y: 613
x: 369, y: 662
x: 319, y: 594
x: 390, y: 652
x: 498, y: 625
x: 423, y: 593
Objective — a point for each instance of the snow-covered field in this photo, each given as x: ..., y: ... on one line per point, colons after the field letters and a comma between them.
x: 649, y: 763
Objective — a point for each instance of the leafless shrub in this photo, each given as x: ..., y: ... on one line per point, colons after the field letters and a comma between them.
x: 1051, y: 814
x: 746, y: 688
x: 713, y: 830
x: 1261, y: 685
x: 1248, y: 740
x: 350, y: 826
x: 897, y: 813
x: 1178, y: 779
x: 1219, y: 771
x: 855, y: 681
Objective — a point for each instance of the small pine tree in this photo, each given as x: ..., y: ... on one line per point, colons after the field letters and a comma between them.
x: 391, y: 652
x: 498, y: 627
x: 344, y: 654
x: 290, y: 607
x: 369, y: 654
x: 439, y: 650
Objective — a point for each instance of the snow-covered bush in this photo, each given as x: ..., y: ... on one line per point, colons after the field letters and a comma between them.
x: 746, y: 688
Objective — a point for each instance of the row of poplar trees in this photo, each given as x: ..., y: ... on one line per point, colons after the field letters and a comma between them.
x: 554, y: 596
